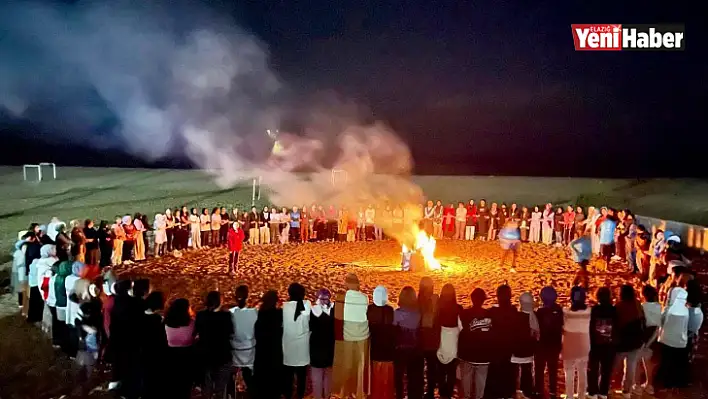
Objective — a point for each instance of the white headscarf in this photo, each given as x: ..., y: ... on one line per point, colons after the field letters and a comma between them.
x: 52, y: 228
x: 526, y: 301
x: 674, y: 328
x: 380, y: 296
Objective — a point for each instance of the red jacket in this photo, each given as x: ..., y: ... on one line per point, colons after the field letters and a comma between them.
x: 235, y: 239
x: 472, y: 213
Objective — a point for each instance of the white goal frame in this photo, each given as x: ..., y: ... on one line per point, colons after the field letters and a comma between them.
x: 256, y: 192
x: 338, y: 174
x: 39, y: 170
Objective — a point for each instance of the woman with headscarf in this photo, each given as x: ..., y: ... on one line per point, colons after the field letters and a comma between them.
x: 322, y: 344
x: 576, y: 343
x: 183, y: 229
x: 18, y: 280
x: 40, y: 272
x: 296, y: 340
x: 505, y: 320
x: 160, y: 226
x: 129, y: 243
x: 105, y: 243
x: 673, y: 370
x: 448, y: 316
x: 547, y: 220
x: 170, y: 223
x: 631, y: 324
x: 72, y: 308
x: 429, y: 331
x: 225, y: 221
x: 494, y: 215
x: 205, y: 227
x: 213, y: 330
x: 88, y: 326
x: 383, y: 340
x: 194, y: 229
x: 268, y: 363
x: 448, y: 221
x: 243, y: 341
x: 179, y: 329
x: 603, y: 323
x: 409, y: 362
x: 58, y: 289
x: 535, y: 225
x: 550, y: 343
x: 215, y: 221
x: 140, y: 231
x: 529, y: 333
x: 118, y: 238
x: 350, y: 372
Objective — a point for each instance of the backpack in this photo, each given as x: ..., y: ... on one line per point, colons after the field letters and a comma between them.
x: 602, y: 331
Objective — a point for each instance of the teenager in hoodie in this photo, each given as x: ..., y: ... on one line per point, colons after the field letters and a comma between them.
x: 409, y: 362
x: 505, y: 326
x: 475, y: 346
x: 576, y: 343
x: 243, y: 341
x: 603, y: 323
x: 523, y: 356
x: 630, y: 330
x: 322, y: 344
x: 448, y: 316
x: 674, y: 339
x: 383, y: 343
x: 550, y: 343
x: 648, y: 354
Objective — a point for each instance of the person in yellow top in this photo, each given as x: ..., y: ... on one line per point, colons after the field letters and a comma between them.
x: 205, y: 227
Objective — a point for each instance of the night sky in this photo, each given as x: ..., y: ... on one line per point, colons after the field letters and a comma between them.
x: 476, y: 87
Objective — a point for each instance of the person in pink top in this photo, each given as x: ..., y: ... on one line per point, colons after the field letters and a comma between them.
x: 179, y: 328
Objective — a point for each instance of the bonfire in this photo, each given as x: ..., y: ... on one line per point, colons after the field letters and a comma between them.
x: 423, y: 251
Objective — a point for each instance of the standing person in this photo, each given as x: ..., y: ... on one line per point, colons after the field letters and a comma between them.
x: 558, y: 226
x: 535, y: 231
x: 578, y: 223
x: 170, y: 229
x: 105, y: 243
x: 369, y: 219
x: 274, y: 222
x: 294, y: 226
x: 268, y: 363
x: 213, y: 330
x: 630, y: 330
x: 296, y: 340
x: 547, y: 225
x: 331, y: 226
x: 510, y: 240
x: 523, y: 356
x: 493, y: 222
x: 284, y: 226
x: 581, y: 251
x: 428, y: 215
x: 160, y: 226
x: 642, y: 243
x: 438, y: 220
x: 118, y: 238
x: 225, y: 225
x: 630, y: 241
x: 505, y: 327
x: 429, y: 332
x: 475, y: 346
x: 603, y: 323
x: 568, y: 225
x: 235, y: 239
x: 322, y: 344
x: 72, y: 310
x: 154, y: 350
x: 673, y: 337
x: 254, y: 223
x: 695, y: 316
x: 550, y: 343
x: 264, y: 228
x: 243, y: 341
x: 19, y: 274
x: 179, y: 329
x: 525, y: 223
x: 185, y: 228
x: 351, y: 226
x: 448, y: 316
x: 305, y: 225
x: 140, y: 231
x: 409, y: 362
x: 648, y: 354
x: 397, y: 220
x: 205, y: 228
x: 471, y: 220
x: 607, y: 239
x: 125, y: 317
x: 342, y: 223
x: 129, y: 243
x: 589, y: 225
x: 39, y: 270
x: 379, y: 221
x: 576, y: 343
x: 483, y: 219
x: 350, y: 373
x: 91, y: 237
x: 78, y: 241
x: 383, y: 343
x: 361, y: 225
x: 216, y: 227
x: 194, y: 229
x: 448, y: 226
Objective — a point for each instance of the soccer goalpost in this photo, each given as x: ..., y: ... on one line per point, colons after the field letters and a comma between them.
x: 339, y: 178
x: 38, y: 167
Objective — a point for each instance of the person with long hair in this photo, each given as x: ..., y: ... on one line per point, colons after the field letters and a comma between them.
x: 235, y: 244
x: 170, y: 229
x: 523, y: 357
x: 648, y: 354
x: 129, y: 243
x: 630, y: 330
x: 194, y: 229
x: 576, y: 343
x: 243, y: 341
x: 118, y: 238
x: 160, y: 226
x: 547, y: 220
x: 91, y: 237
x: 603, y: 323
x: 470, y: 220
x: 140, y: 231
x: 383, y: 343
x: 213, y: 330
x: 224, y: 224
x: 179, y: 329
x: 510, y: 241
x: 215, y: 227
x: 154, y: 347
x: 558, y: 226
x: 105, y: 243
x: 494, y: 214
x: 124, y: 347
x: 409, y: 362
x: 429, y: 332
x: 550, y: 343
x: 296, y: 339
x: 322, y: 344
x: 524, y: 224
x: 268, y: 363
x: 448, y: 316
x: 184, y: 229
x: 264, y: 229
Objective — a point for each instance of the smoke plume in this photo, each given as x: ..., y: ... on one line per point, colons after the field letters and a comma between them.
x: 184, y: 79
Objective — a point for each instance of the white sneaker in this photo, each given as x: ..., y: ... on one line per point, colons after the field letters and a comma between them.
x: 648, y: 389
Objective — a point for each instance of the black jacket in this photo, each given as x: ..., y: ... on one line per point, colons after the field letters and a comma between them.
x: 550, y: 322
x: 322, y: 340
x: 603, y: 326
x: 476, y: 341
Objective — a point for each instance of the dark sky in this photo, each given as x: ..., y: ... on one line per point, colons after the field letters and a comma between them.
x: 487, y: 87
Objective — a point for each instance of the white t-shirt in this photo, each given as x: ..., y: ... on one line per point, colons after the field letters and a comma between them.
x: 296, y: 335
x: 243, y: 341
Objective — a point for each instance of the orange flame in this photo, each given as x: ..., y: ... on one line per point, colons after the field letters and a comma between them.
x: 424, y: 245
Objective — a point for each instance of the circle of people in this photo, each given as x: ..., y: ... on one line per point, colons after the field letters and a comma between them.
x: 349, y: 346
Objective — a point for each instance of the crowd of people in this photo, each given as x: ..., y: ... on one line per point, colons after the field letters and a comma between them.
x: 350, y: 346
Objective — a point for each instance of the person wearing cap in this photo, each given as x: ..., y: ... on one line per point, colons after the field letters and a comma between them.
x: 235, y: 239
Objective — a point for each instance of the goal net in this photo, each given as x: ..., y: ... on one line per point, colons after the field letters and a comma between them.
x: 39, y: 172
x: 339, y: 177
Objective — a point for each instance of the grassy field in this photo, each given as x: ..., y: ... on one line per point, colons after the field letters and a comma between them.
x: 102, y: 193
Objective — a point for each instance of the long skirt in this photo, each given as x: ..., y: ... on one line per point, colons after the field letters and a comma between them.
x: 547, y: 234
x: 139, y: 246
x: 382, y: 380
x: 351, y: 368
x: 36, y: 306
